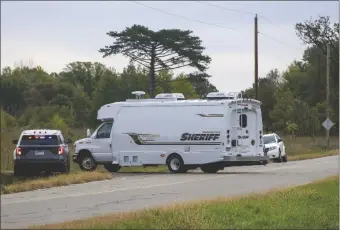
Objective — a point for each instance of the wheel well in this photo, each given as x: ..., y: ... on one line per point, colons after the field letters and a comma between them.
x: 84, y: 152
x: 173, y: 154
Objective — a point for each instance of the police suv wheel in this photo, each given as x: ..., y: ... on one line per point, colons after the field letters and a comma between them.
x: 175, y: 164
x: 87, y: 163
x: 19, y: 171
x: 65, y: 168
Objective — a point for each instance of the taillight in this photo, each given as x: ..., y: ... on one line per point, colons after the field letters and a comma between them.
x: 18, y: 151
x: 60, y: 150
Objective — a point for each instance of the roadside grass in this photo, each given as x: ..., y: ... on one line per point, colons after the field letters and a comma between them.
x: 306, y: 145
x: 24, y: 184
x: 311, y: 206
x: 313, y: 155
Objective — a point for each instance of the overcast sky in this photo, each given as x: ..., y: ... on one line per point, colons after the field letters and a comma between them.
x: 52, y: 34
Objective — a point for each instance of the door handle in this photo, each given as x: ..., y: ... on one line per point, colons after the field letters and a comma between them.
x: 110, y: 146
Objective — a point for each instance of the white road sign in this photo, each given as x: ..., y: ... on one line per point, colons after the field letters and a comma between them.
x: 327, y: 124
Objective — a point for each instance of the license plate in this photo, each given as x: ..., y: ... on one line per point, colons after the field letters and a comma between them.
x: 39, y: 153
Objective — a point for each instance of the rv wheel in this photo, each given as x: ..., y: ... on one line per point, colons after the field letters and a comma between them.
x: 87, y: 163
x: 175, y: 164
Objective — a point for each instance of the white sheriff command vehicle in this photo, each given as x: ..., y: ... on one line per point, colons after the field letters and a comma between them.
x: 219, y: 131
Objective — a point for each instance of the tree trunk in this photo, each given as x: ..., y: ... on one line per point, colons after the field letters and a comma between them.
x: 152, y: 72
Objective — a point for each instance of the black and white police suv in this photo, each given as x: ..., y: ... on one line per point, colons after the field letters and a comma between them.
x: 41, y: 150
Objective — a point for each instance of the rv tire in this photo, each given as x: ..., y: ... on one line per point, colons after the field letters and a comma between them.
x: 175, y: 164
x: 112, y: 167
x: 210, y: 168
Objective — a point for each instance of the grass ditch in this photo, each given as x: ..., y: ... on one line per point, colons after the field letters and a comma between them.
x: 311, y: 206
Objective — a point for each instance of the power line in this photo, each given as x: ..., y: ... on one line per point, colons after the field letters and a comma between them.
x: 272, y: 22
x: 225, y: 8
x: 212, y: 24
x: 282, y: 43
x: 252, y: 13
x: 243, y: 12
x: 186, y: 18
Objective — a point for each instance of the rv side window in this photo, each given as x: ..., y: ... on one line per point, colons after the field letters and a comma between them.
x: 243, y: 120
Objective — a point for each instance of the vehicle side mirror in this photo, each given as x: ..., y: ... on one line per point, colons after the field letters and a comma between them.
x: 88, y: 132
x: 68, y: 141
x: 279, y: 140
x: 15, y: 142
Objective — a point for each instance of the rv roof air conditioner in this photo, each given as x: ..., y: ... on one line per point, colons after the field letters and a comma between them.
x: 222, y: 96
x: 174, y: 96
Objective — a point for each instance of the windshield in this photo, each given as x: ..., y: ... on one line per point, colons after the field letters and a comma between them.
x: 39, y: 140
x: 269, y: 139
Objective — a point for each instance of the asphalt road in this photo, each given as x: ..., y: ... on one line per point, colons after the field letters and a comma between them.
x: 137, y: 191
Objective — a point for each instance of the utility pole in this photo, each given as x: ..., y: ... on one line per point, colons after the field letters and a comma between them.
x: 256, y: 62
x: 327, y: 88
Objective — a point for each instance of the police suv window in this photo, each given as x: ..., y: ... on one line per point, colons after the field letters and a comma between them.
x: 277, y: 137
x: 104, y: 131
x: 39, y: 140
x: 243, y: 120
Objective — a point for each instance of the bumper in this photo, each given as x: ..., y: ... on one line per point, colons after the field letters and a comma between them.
x: 47, y: 165
x: 273, y: 154
x: 39, y: 162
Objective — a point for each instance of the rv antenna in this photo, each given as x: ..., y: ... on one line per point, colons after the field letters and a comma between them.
x: 138, y: 94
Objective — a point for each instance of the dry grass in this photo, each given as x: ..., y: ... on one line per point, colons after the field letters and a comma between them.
x: 54, y: 181
x: 307, y: 145
x: 311, y: 206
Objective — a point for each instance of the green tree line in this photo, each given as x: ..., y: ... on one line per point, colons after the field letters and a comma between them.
x: 293, y: 101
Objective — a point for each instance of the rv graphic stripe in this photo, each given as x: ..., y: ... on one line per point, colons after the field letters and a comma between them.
x: 186, y: 139
x: 210, y: 115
